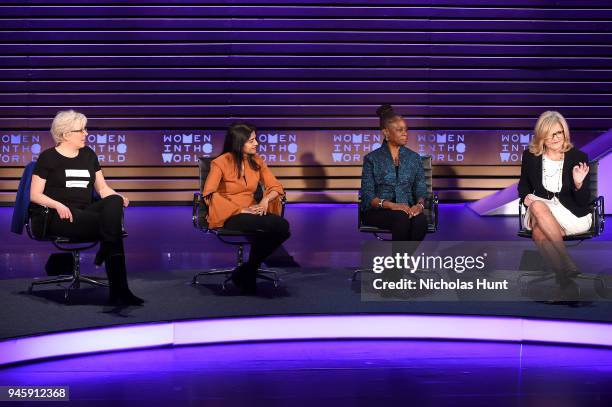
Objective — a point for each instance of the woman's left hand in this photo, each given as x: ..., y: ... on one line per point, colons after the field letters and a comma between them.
x: 579, y: 172
x: 415, y: 210
x: 261, y: 208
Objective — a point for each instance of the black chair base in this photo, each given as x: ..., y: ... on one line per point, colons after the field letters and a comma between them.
x: 539, y: 276
x: 75, y: 282
x: 262, y: 274
x: 75, y: 279
x: 600, y: 285
x: 222, y: 235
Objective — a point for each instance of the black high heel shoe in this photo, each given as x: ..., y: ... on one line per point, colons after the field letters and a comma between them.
x: 242, y: 279
x: 125, y: 298
x: 119, y: 292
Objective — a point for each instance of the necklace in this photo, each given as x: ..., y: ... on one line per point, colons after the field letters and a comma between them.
x: 549, y: 177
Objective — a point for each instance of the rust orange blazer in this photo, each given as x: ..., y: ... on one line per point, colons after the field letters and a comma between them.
x: 227, y: 195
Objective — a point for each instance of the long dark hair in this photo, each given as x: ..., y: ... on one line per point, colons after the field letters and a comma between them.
x: 236, y: 137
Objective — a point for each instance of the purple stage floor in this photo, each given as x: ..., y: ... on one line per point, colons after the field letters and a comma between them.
x: 164, y: 249
x: 323, y: 235
x: 339, y: 373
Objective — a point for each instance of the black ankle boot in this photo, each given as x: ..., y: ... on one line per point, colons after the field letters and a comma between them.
x: 244, y: 277
x: 119, y: 292
x: 239, y: 276
x: 101, y: 254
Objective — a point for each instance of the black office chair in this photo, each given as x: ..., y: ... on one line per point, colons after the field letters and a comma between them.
x: 39, y: 233
x: 232, y: 237
x: 597, y: 228
x: 74, y: 246
x: 430, y: 211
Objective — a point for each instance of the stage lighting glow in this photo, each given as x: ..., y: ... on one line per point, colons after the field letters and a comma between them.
x: 308, y: 327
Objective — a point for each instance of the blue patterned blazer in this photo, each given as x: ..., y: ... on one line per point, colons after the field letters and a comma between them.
x: 378, y: 178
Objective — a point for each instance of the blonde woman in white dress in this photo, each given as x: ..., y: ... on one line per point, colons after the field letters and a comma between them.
x: 554, y: 186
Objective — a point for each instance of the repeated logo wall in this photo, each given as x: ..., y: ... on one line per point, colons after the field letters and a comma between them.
x: 302, y: 147
x: 304, y: 65
x: 120, y: 148
x: 17, y: 149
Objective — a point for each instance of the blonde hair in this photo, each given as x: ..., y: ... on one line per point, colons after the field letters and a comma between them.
x: 66, y: 121
x: 543, y: 129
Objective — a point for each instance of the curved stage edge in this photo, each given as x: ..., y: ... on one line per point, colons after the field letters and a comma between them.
x: 306, y: 327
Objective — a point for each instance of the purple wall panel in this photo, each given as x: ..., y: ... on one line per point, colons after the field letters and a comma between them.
x: 153, y: 66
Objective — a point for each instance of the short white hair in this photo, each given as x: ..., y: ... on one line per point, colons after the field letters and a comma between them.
x: 66, y: 121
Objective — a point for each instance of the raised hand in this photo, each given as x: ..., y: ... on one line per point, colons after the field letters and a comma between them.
x: 579, y: 172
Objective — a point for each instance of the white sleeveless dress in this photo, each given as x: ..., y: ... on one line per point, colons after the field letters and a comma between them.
x: 552, y: 172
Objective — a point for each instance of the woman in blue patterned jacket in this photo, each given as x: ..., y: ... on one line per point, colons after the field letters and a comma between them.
x: 393, y: 187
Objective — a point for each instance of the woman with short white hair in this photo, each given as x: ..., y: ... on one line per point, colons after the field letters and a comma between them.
x: 63, y: 180
x: 554, y: 186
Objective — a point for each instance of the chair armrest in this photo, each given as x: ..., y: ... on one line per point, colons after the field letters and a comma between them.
x: 283, y: 199
x: 198, y: 201
x: 521, y: 215
x: 598, y: 212
x: 435, y: 203
x: 431, y: 204
x: 359, y: 220
x: 598, y: 201
x: 45, y: 216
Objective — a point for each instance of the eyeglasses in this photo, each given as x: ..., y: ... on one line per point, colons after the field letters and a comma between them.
x: 83, y: 130
x: 559, y: 134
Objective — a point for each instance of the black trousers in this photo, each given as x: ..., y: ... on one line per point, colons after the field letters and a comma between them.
x: 100, y: 221
x: 270, y: 232
x: 402, y: 226
x: 403, y: 229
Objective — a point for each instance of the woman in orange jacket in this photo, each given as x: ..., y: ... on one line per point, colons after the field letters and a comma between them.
x: 229, y: 191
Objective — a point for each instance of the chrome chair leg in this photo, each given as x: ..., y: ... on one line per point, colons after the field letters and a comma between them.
x: 539, y: 276
x: 269, y: 275
x: 599, y: 284
x: 211, y: 272
x: 358, y: 272
x: 75, y: 279
x: 262, y: 274
x: 92, y: 281
x: 57, y: 280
